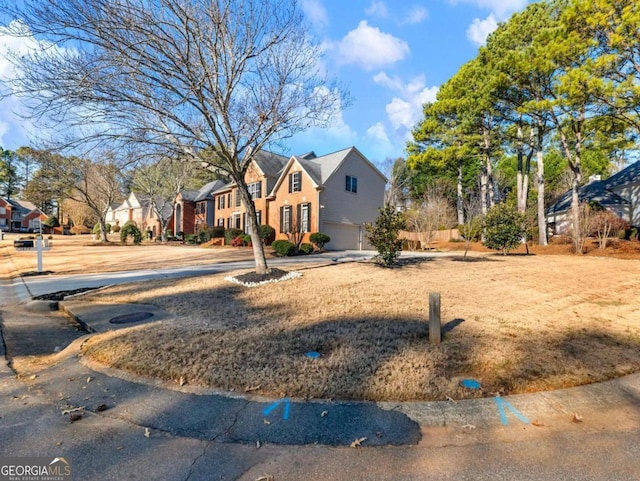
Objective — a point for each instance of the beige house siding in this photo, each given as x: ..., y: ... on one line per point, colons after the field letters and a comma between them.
x: 339, y: 207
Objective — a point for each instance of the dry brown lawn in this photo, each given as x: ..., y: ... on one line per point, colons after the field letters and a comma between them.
x: 516, y: 324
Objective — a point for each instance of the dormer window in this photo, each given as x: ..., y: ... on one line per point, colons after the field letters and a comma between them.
x: 295, y: 182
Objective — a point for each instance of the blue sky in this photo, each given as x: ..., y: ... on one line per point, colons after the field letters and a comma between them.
x: 391, y: 56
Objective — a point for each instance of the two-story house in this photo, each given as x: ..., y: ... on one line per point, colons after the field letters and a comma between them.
x: 20, y: 215
x: 335, y: 194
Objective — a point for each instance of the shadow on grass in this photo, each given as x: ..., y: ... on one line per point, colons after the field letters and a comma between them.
x: 361, y: 358
x: 472, y: 259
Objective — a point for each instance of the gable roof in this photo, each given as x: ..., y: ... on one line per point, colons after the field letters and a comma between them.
x: 601, y: 191
x: 269, y: 163
x: 595, y: 191
x: 627, y: 175
x: 320, y: 169
x: 207, y: 190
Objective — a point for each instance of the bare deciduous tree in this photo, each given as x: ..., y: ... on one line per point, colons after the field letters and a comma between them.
x: 161, y: 183
x: 430, y: 213
x: 78, y: 213
x: 176, y: 77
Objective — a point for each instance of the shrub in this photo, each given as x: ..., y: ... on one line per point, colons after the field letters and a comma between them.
x: 319, y: 239
x: 267, y: 234
x: 96, y: 230
x: 383, y: 234
x: 52, y: 222
x: 208, y: 233
x: 190, y: 239
x: 284, y: 248
x: 237, y: 242
x: 80, y: 229
x: 130, y: 229
x: 504, y: 228
x: 306, y: 248
x: 231, y: 234
x: 246, y: 239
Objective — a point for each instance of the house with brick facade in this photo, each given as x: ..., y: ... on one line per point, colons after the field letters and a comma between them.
x: 335, y: 194
x: 261, y: 177
x: 20, y: 215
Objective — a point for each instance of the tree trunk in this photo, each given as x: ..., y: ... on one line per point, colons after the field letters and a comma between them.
x: 103, y: 230
x: 252, y: 226
x: 542, y: 221
x: 460, y: 199
x: 574, y: 165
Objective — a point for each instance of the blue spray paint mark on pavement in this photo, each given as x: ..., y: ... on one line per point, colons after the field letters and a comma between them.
x: 313, y: 354
x: 287, y: 408
x: 501, y: 403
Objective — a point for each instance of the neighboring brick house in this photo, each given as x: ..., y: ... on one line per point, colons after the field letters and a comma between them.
x: 17, y: 215
x: 194, y: 209
x: 336, y: 194
x: 205, y: 207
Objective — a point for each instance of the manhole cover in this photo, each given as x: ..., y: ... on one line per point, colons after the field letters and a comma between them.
x: 131, y: 318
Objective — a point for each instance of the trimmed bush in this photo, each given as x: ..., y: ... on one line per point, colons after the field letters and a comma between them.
x: 319, y: 239
x: 306, y: 248
x: 96, y: 230
x: 383, y: 234
x: 284, y: 248
x: 190, y: 239
x: 267, y: 234
x: 246, y: 239
x: 208, y: 233
x: 504, y: 228
x: 130, y: 229
x: 231, y: 234
x: 238, y: 241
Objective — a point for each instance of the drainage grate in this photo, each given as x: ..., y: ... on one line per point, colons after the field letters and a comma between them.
x: 131, y: 318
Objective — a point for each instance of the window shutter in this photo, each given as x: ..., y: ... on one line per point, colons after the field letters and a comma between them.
x: 281, y: 219
x: 298, y: 226
x: 290, y: 182
x: 308, y: 216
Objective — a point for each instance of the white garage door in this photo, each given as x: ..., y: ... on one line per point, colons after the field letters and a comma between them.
x: 343, y: 236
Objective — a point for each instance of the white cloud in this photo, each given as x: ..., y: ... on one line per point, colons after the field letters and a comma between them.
x: 370, y: 48
x: 405, y: 109
x: 316, y: 13
x: 479, y: 30
x: 502, y: 9
x: 416, y: 15
x: 378, y: 133
x: 377, y: 9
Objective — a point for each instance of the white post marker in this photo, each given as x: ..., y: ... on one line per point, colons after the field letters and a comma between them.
x: 39, y: 252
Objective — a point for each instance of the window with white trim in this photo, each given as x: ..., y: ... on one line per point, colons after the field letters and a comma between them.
x: 304, y: 217
x: 295, y: 182
x: 221, y: 202
x: 255, y: 190
x: 285, y: 219
x: 238, y: 198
